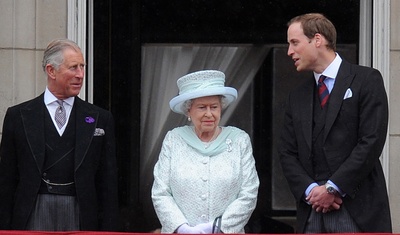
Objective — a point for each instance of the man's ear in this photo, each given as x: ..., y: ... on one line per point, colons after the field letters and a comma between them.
x: 319, y: 40
x: 50, y: 70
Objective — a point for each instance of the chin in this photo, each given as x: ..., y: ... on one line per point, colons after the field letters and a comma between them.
x: 208, y: 128
x: 73, y: 94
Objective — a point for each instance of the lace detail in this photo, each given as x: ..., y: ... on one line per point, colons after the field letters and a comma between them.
x: 193, y: 188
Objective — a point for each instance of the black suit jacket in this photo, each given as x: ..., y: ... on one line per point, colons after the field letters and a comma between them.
x: 354, y: 136
x: 22, y: 155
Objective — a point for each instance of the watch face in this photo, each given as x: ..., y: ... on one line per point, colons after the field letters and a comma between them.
x: 331, y: 189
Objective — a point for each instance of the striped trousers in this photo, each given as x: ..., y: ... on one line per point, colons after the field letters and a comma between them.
x: 55, y: 213
x: 336, y: 221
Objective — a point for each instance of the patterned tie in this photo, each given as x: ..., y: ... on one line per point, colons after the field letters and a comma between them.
x: 60, y: 115
x: 323, y: 91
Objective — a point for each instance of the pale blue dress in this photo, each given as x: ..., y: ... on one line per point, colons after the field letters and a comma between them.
x: 195, y: 182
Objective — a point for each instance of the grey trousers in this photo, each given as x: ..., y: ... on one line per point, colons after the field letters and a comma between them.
x: 337, y: 221
x: 55, y: 213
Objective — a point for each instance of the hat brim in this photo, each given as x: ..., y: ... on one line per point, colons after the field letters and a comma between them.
x: 176, y: 103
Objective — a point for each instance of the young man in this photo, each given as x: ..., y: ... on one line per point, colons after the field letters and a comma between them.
x: 334, y: 131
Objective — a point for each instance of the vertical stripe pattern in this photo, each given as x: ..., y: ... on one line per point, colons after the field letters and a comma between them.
x: 336, y: 221
x: 60, y: 115
x: 323, y: 91
x: 54, y: 213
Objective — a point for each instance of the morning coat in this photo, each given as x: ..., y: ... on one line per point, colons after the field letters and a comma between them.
x: 22, y: 154
x: 354, y: 135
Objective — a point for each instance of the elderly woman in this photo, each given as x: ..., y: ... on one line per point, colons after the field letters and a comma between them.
x: 205, y: 179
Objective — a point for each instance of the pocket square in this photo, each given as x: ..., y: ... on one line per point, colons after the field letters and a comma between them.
x: 348, y: 94
x: 99, y: 132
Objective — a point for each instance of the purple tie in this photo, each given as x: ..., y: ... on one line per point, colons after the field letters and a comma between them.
x: 323, y: 91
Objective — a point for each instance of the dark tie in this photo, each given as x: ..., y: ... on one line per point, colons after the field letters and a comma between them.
x: 60, y: 115
x: 323, y: 91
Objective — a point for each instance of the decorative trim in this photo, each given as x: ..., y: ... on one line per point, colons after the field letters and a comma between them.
x: 381, y: 59
x: 365, y: 48
x: 89, y: 56
x: 77, y: 31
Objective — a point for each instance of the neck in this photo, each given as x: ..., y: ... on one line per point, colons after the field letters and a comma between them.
x: 204, y: 138
x: 324, y: 61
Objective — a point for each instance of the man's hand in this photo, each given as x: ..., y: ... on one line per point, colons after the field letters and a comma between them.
x: 322, y: 201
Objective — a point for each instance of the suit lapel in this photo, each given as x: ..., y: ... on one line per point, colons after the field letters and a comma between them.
x: 33, y: 121
x: 343, y: 81
x: 305, y: 109
x: 86, y: 122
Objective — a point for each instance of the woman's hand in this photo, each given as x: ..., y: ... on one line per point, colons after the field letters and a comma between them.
x: 205, y: 228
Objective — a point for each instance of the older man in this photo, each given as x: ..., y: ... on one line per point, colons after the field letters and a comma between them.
x: 58, y: 166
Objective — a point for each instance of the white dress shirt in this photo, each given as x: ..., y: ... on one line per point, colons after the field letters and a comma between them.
x: 51, y: 103
x: 330, y: 72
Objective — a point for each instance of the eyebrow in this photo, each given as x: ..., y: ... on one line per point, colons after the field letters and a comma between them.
x: 216, y: 103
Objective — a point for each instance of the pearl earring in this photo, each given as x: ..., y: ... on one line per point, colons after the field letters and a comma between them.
x: 189, y: 119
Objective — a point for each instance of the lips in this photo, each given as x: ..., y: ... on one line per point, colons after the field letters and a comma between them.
x: 76, y: 84
x: 295, y: 61
x: 208, y: 122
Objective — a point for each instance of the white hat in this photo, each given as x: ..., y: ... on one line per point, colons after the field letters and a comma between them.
x: 201, y: 84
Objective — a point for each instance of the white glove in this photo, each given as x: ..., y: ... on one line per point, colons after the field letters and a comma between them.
x: 185, y: 228
x: 205, y: 227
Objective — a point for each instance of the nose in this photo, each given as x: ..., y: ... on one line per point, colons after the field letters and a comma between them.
x: 208, y: 112
x: 290, y: 51
x: 80, y: 72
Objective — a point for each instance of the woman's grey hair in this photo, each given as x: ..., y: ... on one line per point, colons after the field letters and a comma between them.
x: 54, y: 52
x: 188, y: 104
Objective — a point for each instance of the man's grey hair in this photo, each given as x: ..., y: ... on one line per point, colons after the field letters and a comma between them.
x: 54, y: 52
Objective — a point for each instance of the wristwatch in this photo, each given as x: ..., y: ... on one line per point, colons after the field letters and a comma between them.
x: 330, y: 189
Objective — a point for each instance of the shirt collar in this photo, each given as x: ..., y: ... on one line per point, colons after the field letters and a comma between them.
x: 50, y: 98
x: 332, y: 70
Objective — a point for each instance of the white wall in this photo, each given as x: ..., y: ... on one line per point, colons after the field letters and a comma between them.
x: 26, y: 28
x: 394, y: 131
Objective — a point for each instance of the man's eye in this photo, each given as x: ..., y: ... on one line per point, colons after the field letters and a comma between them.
x: 75, y: 67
